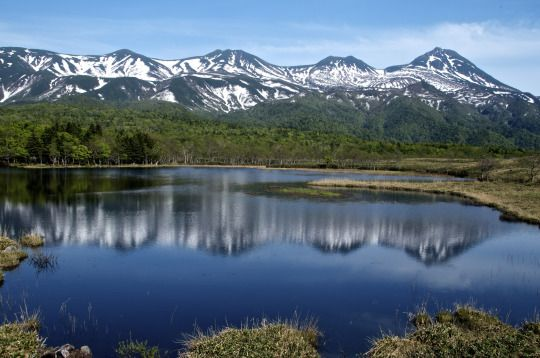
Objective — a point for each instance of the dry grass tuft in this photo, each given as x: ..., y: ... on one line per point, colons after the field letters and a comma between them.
x: 467, y: 332
x: 11, y: 254
x: 21, y: 338
x: 32, y: 240
x: 256, y: 340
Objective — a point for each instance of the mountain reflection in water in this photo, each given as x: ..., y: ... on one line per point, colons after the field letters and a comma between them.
x: 209, y: 213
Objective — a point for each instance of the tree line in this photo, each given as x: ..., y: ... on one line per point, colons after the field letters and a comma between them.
x: 98, y: 134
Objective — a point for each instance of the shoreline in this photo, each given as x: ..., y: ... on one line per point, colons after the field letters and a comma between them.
x: 515, y: 201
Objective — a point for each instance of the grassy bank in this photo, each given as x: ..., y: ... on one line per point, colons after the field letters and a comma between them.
x: 22, y: 339
x: 466, y: 332
x: 513, y: 169
x: 463, y: 332
x: 515, y: 200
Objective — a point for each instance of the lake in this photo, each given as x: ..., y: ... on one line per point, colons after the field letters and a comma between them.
x: 152, y: 253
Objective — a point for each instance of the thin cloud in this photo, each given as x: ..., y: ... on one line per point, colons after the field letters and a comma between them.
x: 510, y: 52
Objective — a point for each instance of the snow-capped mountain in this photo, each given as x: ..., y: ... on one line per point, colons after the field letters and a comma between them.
x: 233, y: 79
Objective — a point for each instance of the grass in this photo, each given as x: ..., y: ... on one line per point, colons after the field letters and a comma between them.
x: 21, y: 339
x: 43, y: 262
x: 11, y: 253
x: 505, y: 169
x: 291, y: 190
x: 260, y: 340
x: 131, y: 348
x: 307, y: 192
x: 32, y: 240
x: 465, y: 332
x: 515, y: 200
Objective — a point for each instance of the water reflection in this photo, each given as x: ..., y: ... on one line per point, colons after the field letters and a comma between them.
x: 140, y: 208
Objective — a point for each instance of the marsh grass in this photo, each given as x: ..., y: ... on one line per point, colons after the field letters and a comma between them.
x: 32, y: 240
x: 11, y: 253
x: 6, y: 242
x: 21, y: 338
x: 308, y: 192
x: 465, y: 332
x: 136, y: 349
x: 256, y: 339
x: 515, y: 200
x: 292, y: 190
x: 44, y: 262
x: 503, y: 169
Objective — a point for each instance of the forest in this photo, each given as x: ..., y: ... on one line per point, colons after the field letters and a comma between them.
x: 93, y: 133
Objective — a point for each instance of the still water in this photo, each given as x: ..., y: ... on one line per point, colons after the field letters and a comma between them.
x: 149, y: 254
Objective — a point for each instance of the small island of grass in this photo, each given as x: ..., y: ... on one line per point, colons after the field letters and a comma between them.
x: 292, y: 190
x: 466, y: 332
x: 307, y: 192
x: 11, y: 254
x: 32, y: 240
x: 262, y: 340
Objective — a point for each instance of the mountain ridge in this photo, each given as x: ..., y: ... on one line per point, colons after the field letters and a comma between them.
x: 231, y: 80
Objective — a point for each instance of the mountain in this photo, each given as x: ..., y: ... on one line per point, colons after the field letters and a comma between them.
x: 233, y: 79
x: 437, y: 91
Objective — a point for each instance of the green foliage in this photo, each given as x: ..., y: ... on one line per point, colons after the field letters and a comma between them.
x: 83, y: 132
x: 402, y: 119
x: 136, y: 349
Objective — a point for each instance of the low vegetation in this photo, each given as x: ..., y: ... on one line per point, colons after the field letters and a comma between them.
x: 516, y: 201
x: 11, y: 253
x: 136, y: 349
x: 32, y: 240
x: 307, y: 192
x: 21, y: 339
x: 261, y: 340
x: 291, y: 190
x: 519, y: 169
x: 44, y: 262
x: 465, y: 332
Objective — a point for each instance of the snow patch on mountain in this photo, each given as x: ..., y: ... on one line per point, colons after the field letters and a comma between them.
x: 227, y: 80
x: 166, y: 96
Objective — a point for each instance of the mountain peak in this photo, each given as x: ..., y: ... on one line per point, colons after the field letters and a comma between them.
x: 122, y: 53
x: 349, y: 61
x: 441, y: 59
x: 229, y: 53
x: 448, y: 65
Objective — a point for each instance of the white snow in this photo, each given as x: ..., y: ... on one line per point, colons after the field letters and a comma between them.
x: 101, y: 84
x: 166, y: 95
x: 276, y: 82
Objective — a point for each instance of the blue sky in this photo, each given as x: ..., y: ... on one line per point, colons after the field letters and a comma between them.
x: 501, y: 37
